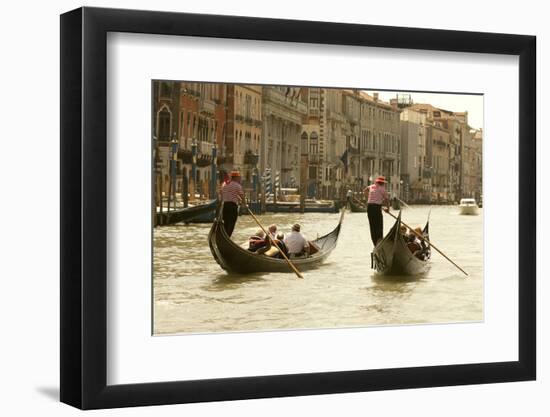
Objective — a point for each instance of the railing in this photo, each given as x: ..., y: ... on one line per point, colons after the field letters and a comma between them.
x: 204, y: 147
x: 207, y: 106
x: 314, y: 158
x: 371, y: 153
x: 279, y: 97
x: 251, y: 158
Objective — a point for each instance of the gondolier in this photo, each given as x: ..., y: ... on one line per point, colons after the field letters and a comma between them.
x: 377, y: 197
x: 232, y: 193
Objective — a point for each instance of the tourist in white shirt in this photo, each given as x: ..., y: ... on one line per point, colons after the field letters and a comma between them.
x: 295, y: 242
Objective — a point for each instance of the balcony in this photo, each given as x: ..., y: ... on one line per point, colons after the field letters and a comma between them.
x: 251, y: 158
x: 276, y: 96
x: 207, y: 107
x: 204, y: 160
x: 314, y: 112
x: 335, y: 116
x: 370, y: 153
x: 314, y: 158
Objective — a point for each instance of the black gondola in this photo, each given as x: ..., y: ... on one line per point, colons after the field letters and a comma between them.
x: 356, y: 206
x: 391, y: 256
x: 234, y: 258
x: 187, y: 214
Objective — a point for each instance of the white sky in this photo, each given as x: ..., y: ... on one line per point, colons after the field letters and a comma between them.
x: 454, y: 102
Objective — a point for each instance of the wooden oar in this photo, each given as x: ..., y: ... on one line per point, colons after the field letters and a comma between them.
x: 429, y: 243
x: 401, y: 201
x: 292, y: 266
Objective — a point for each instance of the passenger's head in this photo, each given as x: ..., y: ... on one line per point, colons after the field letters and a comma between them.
x: 418, y: 230
x: 280, y: 236
x: 259, y: 233
x: 296, y: 227
x: 273, y: 228
x: 403, y: 230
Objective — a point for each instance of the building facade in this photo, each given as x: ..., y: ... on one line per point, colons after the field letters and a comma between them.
x: 283, y: 110
x: 323, y: 141
x: 415, y: 176
x: 243, y: 135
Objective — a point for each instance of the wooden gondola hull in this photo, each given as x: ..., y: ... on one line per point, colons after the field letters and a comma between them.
x: 234, y: 258
x: 200, y: 213
x: 392, y: 256
x: 355, y: 207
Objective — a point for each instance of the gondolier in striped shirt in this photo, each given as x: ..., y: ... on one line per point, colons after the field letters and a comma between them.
x: 377, y: 197
x: 232, y: 193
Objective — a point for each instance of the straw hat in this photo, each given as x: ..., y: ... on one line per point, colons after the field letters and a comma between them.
x: 235, y: 174
x: 381, y: 179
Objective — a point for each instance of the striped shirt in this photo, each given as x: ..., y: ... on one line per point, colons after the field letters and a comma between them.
x: 232, y: 192
x: 377, y: 194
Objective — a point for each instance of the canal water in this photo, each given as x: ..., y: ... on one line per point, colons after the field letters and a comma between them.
x: 192, y: 294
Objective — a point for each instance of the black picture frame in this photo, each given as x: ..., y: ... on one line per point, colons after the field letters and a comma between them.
x: 84, y: 207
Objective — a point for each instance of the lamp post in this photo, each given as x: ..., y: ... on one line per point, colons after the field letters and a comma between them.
x: 194, y: 163
x: 173, y: 163
x: 158, y: 173
x: 214, y: 176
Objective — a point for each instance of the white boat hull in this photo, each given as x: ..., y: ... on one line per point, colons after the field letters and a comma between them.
x: 469, y: 210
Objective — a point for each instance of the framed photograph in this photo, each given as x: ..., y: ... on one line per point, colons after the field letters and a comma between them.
x: 257, y: 208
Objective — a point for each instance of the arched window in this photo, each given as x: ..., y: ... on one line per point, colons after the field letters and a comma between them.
x: 164, y: 124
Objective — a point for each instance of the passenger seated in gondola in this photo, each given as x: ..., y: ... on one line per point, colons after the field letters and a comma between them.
x: 274, y: 251
x: 282, y: 245
x: 257, y: 241
x: 424, y: 252
x: 273, y: 231
x: 296, y: 243
x: 417, y: 245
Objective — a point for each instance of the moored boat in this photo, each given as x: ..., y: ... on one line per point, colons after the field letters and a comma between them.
x: 468, y: 206
x: 392, y: 256
x: 356, y: 206
x: 310, y: 206
x: 233, y: 258
x: 198, y: 213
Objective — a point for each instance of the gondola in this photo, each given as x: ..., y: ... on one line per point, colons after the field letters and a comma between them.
x: 187, y: 214
x: 391, y: 256
x: 356, y: 206
x: 233, y: 258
